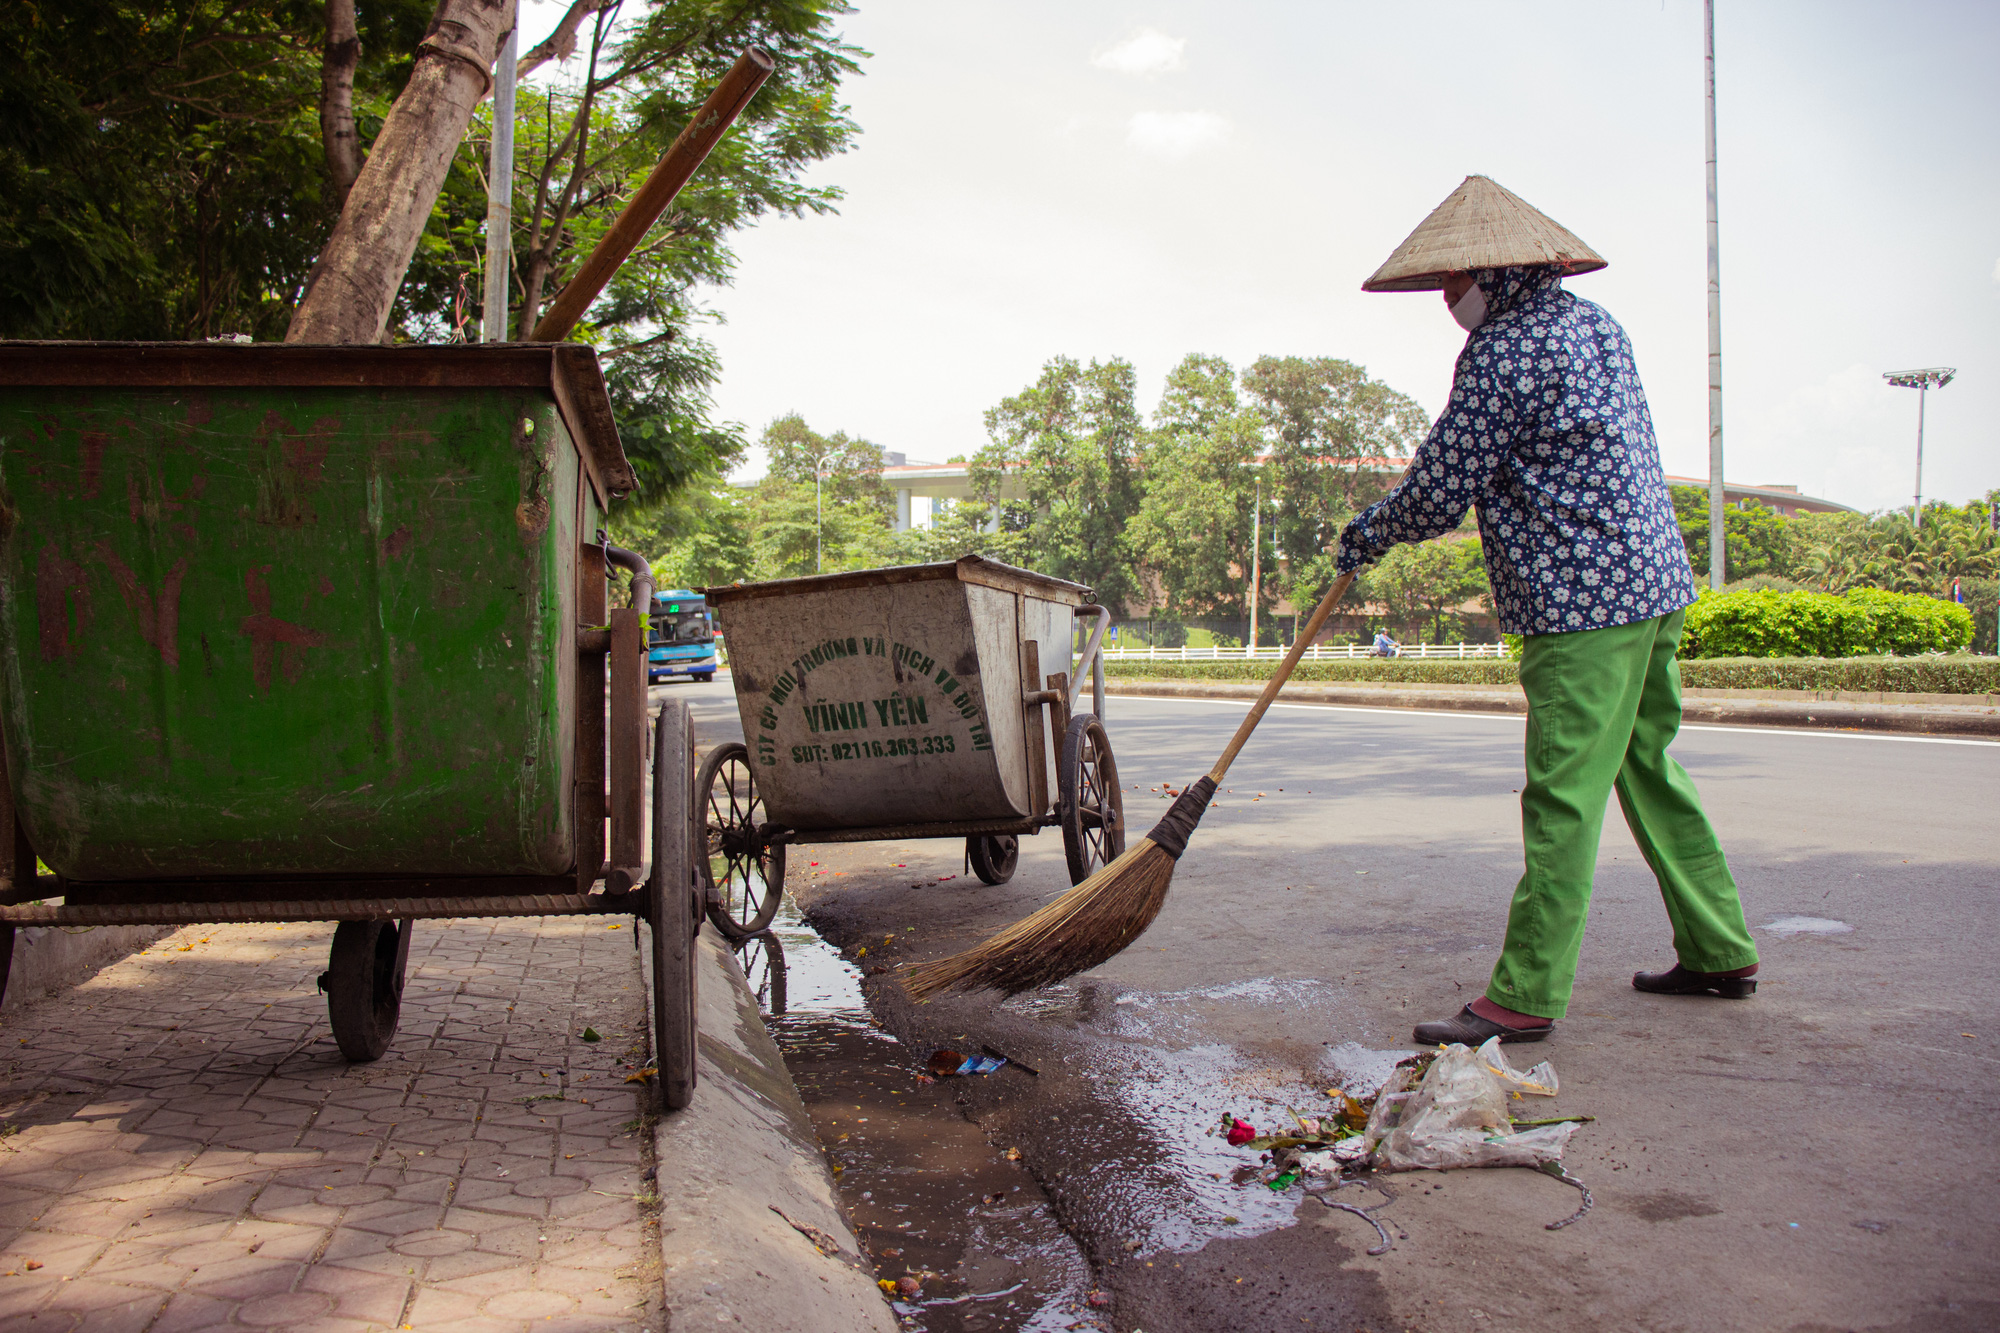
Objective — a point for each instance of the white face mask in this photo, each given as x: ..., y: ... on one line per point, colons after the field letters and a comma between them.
x: 1470, y: 311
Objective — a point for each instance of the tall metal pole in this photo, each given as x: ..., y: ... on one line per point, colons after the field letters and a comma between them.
x: 500, y: 193
x: 1917, y: 505
x: 1718, y: 544
x: 1256, y: 559
x: 819, y: 522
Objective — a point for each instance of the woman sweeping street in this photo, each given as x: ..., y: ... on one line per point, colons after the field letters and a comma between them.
x: 1547, y: 435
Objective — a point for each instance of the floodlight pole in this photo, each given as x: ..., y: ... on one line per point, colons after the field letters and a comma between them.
x: 1923, y: 381
x: 500, y: 195
x: 1718, y: 544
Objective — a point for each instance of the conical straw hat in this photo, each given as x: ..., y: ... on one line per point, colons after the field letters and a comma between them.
x: 1481, y: 225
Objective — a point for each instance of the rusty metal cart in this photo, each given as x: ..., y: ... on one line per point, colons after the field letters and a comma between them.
x: 320, y: 633
x: 913, y: 702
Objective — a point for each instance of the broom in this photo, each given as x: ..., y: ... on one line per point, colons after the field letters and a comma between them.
x: 1100, y: 916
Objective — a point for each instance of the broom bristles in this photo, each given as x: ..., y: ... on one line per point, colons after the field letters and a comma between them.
x: 1076, y: 932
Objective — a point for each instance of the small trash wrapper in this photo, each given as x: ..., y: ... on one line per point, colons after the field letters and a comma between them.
x: 950, y: 1064
x: 1456, y: 1115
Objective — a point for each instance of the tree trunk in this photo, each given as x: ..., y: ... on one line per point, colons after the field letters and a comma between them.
x: 336, y: 97
x: 353, y: 286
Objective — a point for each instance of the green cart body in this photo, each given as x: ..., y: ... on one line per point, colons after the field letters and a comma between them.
x: 312, y: 632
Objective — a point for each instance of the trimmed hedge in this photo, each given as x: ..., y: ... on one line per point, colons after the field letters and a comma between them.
x: 1960, y: 674
x: 1767, y: 623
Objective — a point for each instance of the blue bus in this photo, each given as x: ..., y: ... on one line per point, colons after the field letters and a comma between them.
x: 683, y: 638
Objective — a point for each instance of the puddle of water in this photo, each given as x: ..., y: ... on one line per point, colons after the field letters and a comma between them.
x: 1788, y: 926
x: 1358, y: 1071
x: 1158, y: 1174
x: 926, y: 1194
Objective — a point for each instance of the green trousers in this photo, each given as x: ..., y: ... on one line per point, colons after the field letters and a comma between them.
x: 1603, y: 705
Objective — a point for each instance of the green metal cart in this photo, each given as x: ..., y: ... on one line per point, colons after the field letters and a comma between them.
x: 320, y: 633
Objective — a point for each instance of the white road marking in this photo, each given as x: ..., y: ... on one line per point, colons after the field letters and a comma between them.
x: 1521, y: 717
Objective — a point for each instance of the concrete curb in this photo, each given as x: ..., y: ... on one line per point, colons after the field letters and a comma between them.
x: 48, y: 959
x: 743, y: 1148
x: 1924, y: 719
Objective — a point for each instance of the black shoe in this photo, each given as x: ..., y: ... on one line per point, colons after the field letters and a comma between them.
x: 1679, y: 981
x: 1469, y: 1029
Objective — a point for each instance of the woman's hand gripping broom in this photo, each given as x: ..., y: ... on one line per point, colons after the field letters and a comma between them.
x: 1100, y: 916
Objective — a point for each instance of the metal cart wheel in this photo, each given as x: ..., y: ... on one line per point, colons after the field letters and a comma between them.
x: 1089, y: 805
x: 762, y: 959
x: 671, y: 902
x: 744, y: 876
x: 993, y: 856
x: 363, y: 982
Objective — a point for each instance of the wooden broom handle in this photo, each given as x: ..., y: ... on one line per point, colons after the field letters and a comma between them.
x: 688, y: 151
x: 1281, y: 675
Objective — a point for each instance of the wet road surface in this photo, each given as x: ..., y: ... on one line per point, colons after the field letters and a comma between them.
x: 1814, y: 1158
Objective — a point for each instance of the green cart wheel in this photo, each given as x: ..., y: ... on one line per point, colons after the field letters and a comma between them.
x: 674, y: 913
x: 363, y: 982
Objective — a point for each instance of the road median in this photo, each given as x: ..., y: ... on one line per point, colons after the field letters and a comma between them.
x: 1922, y: 714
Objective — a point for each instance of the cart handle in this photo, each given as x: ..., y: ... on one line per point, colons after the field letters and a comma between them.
x: 1093, y: 657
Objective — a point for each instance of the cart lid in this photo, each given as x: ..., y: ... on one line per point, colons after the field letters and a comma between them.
x: 966, y: 569
x: 569, y: 370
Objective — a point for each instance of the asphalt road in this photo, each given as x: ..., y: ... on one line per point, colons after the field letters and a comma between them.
x: 1818, y: 1157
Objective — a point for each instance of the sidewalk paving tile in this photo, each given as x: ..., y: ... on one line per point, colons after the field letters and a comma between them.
x: 182, y: 1146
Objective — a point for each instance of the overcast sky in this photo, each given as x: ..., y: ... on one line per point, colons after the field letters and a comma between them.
x: 1150, y: 179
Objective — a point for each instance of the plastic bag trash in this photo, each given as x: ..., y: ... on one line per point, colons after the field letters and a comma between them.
x: 1457, y: 1115
x: 981, y: 1064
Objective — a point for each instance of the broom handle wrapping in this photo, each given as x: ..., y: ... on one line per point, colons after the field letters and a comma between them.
x: 1281, y: 675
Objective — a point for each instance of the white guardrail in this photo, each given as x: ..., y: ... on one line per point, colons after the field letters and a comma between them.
x: 1319, y: 652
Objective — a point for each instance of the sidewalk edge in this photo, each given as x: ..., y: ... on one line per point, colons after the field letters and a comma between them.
x: 743, y: 1148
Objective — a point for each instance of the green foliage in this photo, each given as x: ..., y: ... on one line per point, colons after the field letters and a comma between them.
x: 1419, y: 581
x: 796, y: 530
x: 957, y: 530
x: 1810, y: 624
x: 1194, y: 527
x: 1842, y: 551
x: 1981, y: 596
x: 161, y: 175
x: 1758, y: 539
x: 1071, y: 439
x: 704, y: 540
x: 1325, y: 423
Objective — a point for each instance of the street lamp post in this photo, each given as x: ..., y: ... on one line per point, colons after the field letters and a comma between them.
x: 819, y: 522
x: 1923, y: 381
x: 1256, y: 559
x: 1718, y: 541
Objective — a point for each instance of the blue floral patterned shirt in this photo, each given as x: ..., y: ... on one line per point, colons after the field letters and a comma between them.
x: 1547, y: 433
